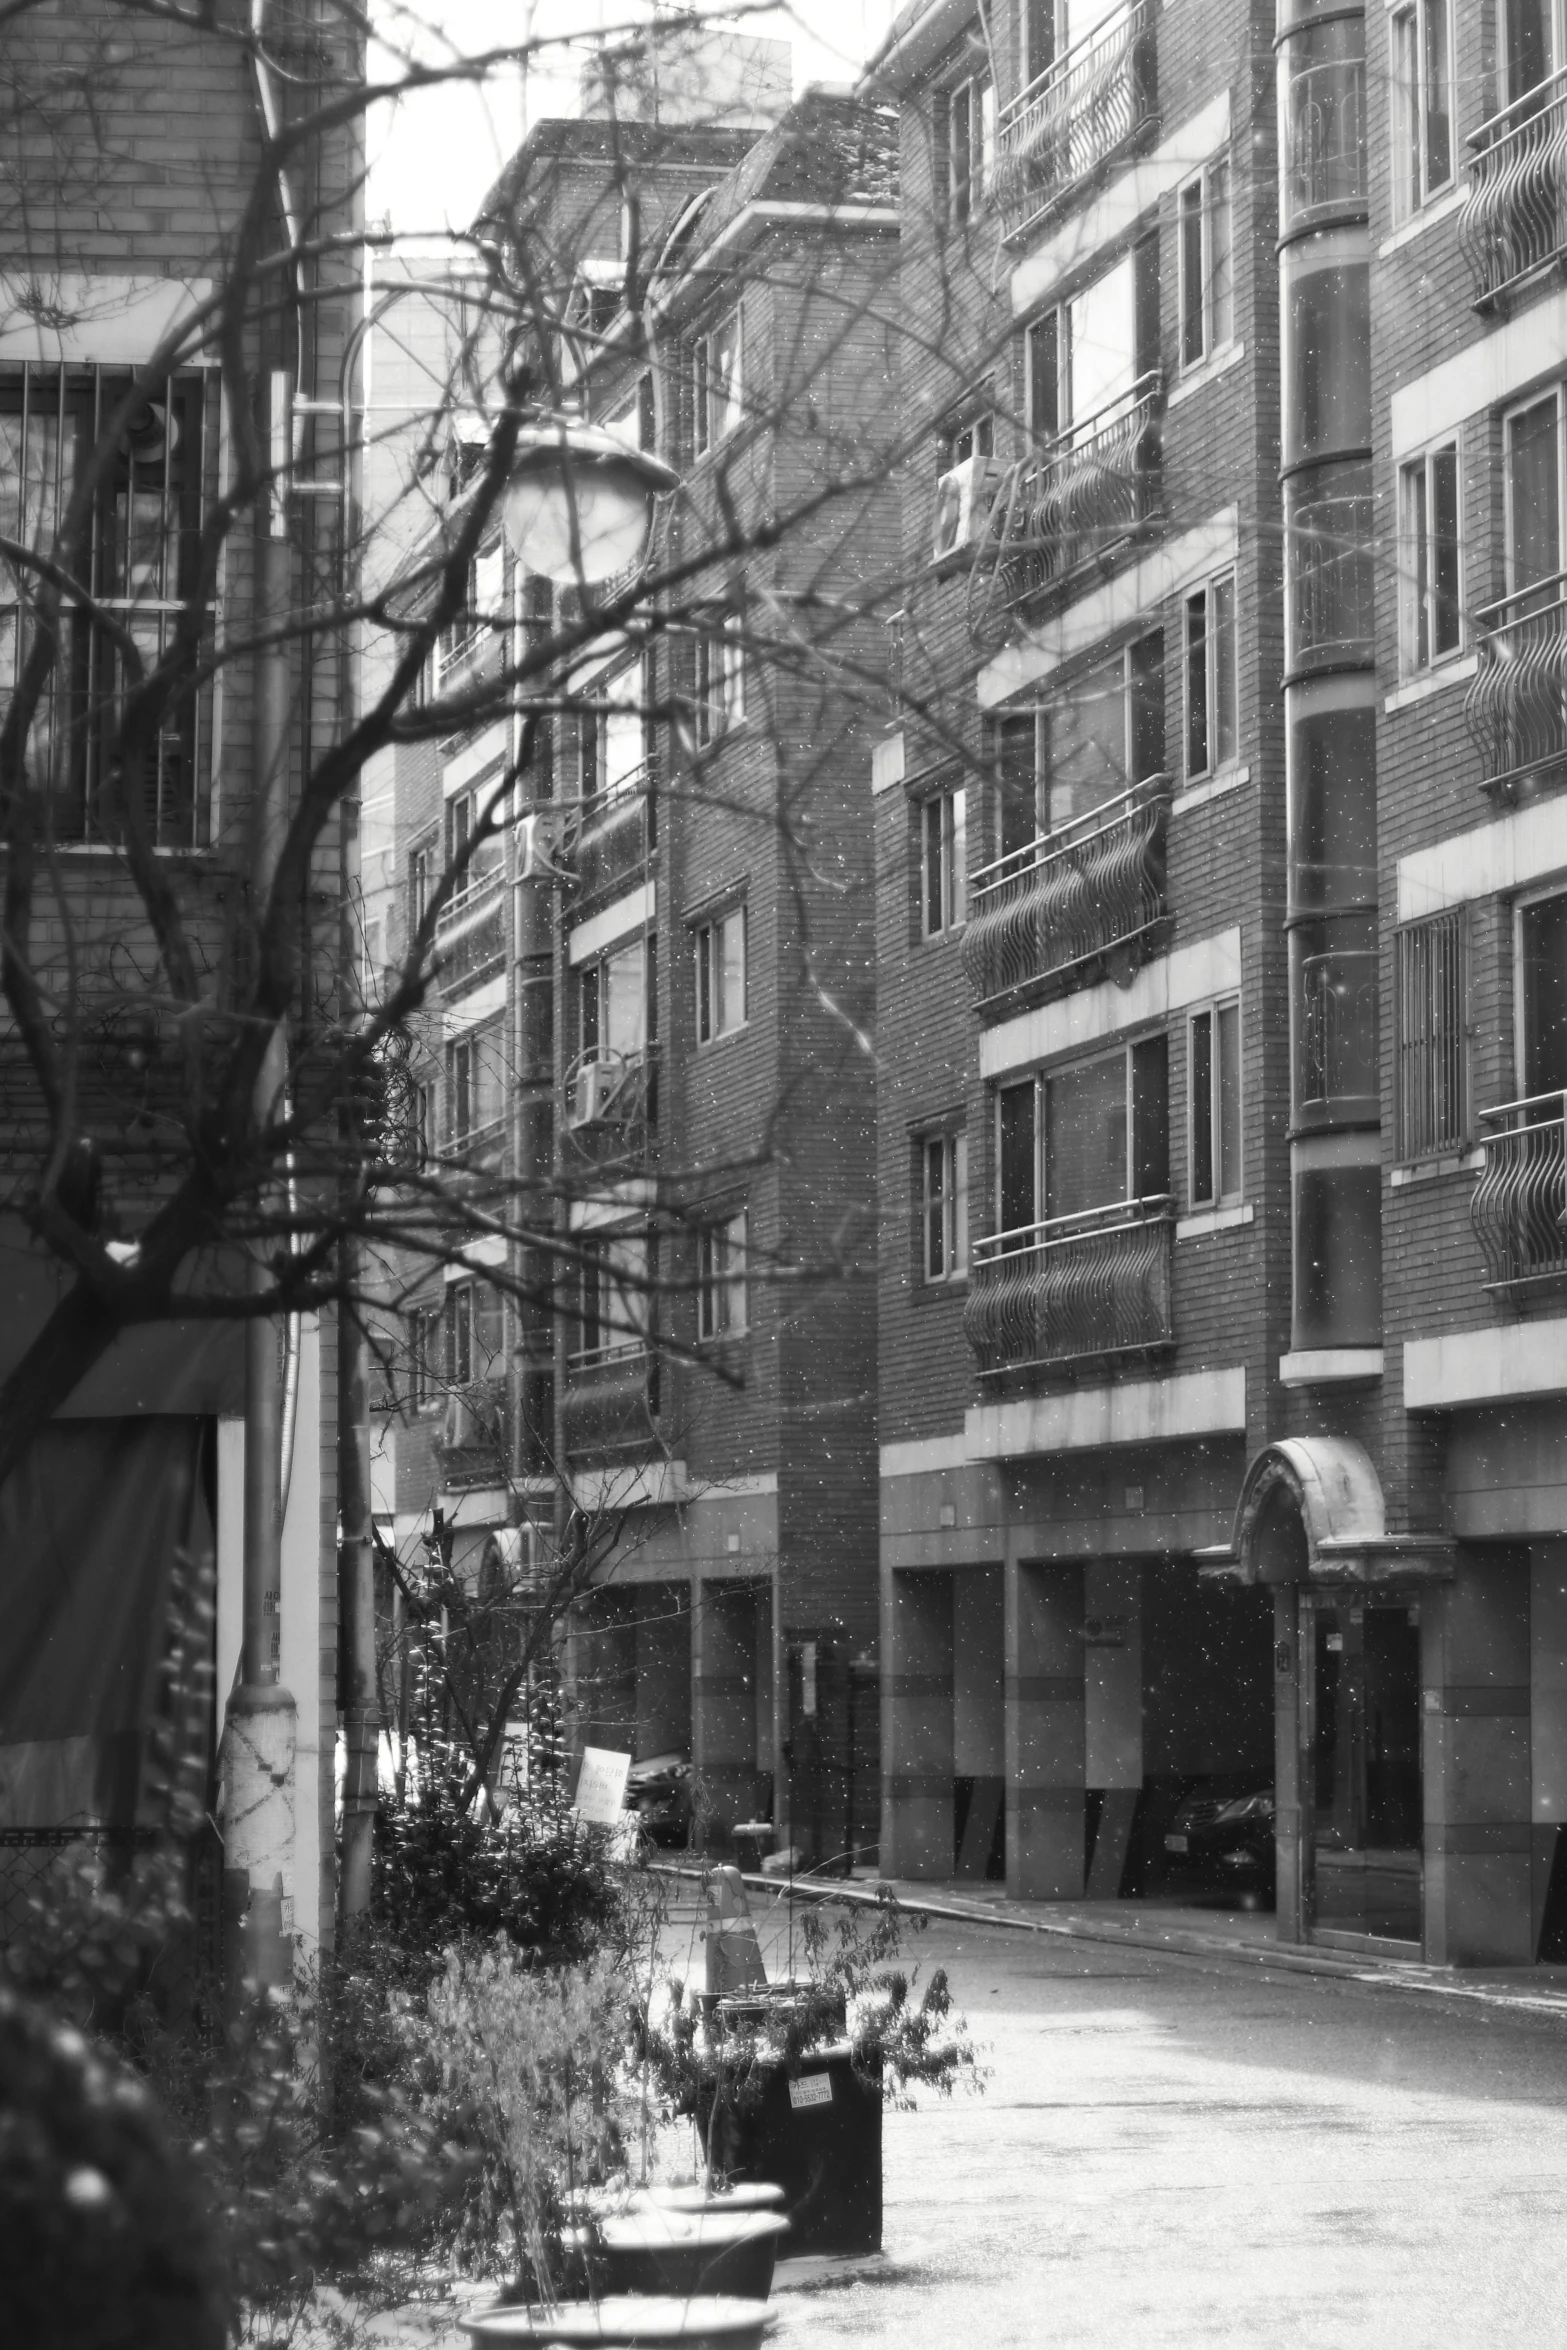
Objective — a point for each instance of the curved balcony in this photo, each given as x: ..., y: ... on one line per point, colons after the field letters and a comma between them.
x: 1514, y: 224
x: 1337, y: 1017
x: 1073, y: 1289
x: 471, y: 935
x: 1072, y: 118
x: 1519, y: 1206
x: 610, y: 847
x: 1049, y: 916
x: 611, y: 1402
x: 1070, y: 504
x: 1516, y: 709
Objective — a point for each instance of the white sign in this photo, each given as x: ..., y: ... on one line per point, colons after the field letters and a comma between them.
x: 811, y: 2089
x: 601, y: 1786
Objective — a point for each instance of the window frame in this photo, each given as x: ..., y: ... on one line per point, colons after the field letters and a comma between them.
x: 1211, y: 304
x: 597, y: 1273
x: 719, y: 399
x: 1218, y: 759
x: 1420, y: 600
x: 967, y: 103
x: 946, y: 1203
x: 461, y: 1314
x: 1523, y: 905
x: 1041, y: 1079
x: 948, y: 806
x: 708, y: 967
x: 723, y: 1273
x: 1217, y: 1193
x: 1412, y: 183
x: 1556, y: 394
x: 720, y: 681
x: 1410, y: 1149
x: 591, y: 982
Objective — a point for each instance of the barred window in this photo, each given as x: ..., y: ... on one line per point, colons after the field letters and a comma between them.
x: 1431, y: 986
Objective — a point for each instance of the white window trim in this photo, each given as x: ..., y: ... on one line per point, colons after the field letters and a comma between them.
x: 709, y: 1284
x: 1197, y: 379
x: 1222, y: 1202
x: 1069, y: 1065
x: 1514, y: 409
x: 1521, y: 904
x: 1404, y: 117
x: 953, y: 874
x: 1205, y: 588
x: 710, y: 925
x: 955, y: 1236
x: 1410, y: 671
x: 1204, y: 365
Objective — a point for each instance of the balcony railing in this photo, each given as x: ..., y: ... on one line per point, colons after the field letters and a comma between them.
x: 1072, y: 118
x: 1516, y: 709
x: 1519, y: 1206
x: 1070, y: 898
x: 611, y: 1402
x: 470, y: 937
x: 1515, y: 221
x: 1073, y: 1288
x: 609, y: 845
x: 1071, y: 503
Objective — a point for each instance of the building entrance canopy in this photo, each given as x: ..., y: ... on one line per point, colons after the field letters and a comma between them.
x: 1311, y: 1511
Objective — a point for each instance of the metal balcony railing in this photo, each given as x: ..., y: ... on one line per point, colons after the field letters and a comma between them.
x: 1514, y: 223
x: 1330, y: 568
x: 1519, y: 1206
x: 470, y: 937
x: 1070, y: 503
x: 1073, y: 1288
x: 611, y: 839
x: 1072, y: 118
x: 1337, y: 1030
x: 1516, y: 709
x: 1071, y: 897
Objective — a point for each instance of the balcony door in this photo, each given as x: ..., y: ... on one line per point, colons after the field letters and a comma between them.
x: 1086, y: 1137
x: 1533, y: 495
x: 1542, y: 997
x: 1364, y: 1851
x: 1531, y: 45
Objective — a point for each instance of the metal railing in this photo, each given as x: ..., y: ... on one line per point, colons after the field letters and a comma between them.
x: 1516, y: 709
x: 610, y: 839
x: 1071, y: 118
x: 1330, y: 569
x: 1325, y: 147
x: 1515, y: 220
x: 470, y: 936
x: 1519, y: 1206
x: 1073, y: 1287
x: 1337, y: 1029
x: 1070, y: 896
x: 1070, y: 503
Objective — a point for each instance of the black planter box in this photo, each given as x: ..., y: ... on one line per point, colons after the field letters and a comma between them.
x: 817, y: 2134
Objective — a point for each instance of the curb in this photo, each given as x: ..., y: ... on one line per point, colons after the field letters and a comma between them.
x: 1388, y: 1974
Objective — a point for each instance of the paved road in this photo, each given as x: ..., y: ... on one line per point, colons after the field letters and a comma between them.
x: 1175, y: 2153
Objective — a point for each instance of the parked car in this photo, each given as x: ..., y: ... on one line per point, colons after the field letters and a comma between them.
x: 658, y: 1790
x: 1224, y: 1836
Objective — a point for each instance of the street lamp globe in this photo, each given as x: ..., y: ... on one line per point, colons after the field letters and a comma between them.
x: 579, y: 504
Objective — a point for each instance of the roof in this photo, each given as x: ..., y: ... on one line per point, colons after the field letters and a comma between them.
x: 830, y: 148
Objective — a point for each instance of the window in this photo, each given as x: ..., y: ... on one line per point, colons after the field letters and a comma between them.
x: 960, y: 442
x: 1214, y: 1153
x: 721, y: 975
x: 422, y: 1324
x: 1211, y: 723
x: 1207, y: 269
x: 1083, y: 360
x: 475, y: 1319
x: 721, y: 1278
x: 616, y: 1285
x: 720, y: 679
x: 718, y: 389
x: 1542, y: 996
x: 1087, y: 1137
x: 1531, y: 44
x: 1430, y: 995
x: 140, y: 560
x: 943, y: 849
x: 418, y: 888
x: 967, y: 120
x: 636, y: 419
x: 1429, y: 568
x: 1101, y: 733
x: 471, y: 865
x: 1422, y: 104
x: 424, y: 1126
x: 475, y: 1086
x: 944, y: 1206
x: 612, y: 737
x: 485, y: 613
x: 614, y: 997
x: 1532, y: 484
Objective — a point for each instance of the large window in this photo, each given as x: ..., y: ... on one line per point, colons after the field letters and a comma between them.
x: 1082, y: 359
x: 475, y: 1085
x: 720, y: 678
x: 1431, y: 1024
x: 614, y: 993
x: 1531, y: 44
x: 1099, y: 734
x: 612, y: 737
x: 721, y: 974
x: 966, y: 116
x: 1210, y: 677
x: 1085, y: 1137
x: 139, y: 560
x: 1542, y: 996
x: 721, y: 1278
x: 1429, y: 567
x: 616, y: 1295
x: 943, y: 1188
x: 718, y: 383
x: 943, y: 855
x: 1422, y: 104
x: 1533, y: 486
x: 1214, y: 1139
x: 1207, y: 274
x: 475, y: 1333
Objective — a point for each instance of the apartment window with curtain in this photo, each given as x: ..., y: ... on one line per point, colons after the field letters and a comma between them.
x: 722, y: 1306
x: 615, y: 1295
x: 1212, y: 725
x: 1206, y: 264
x: 721, y: 976
x: 719, y: 391
x: 1430, y: 572
x: 942, y: 827
x: 943, y: 1198
x: 1083, y: 360
x: 1088, y: 1136
x: 475, y: 1333
x: 966, y: 130
x: 1430, y: 1014
x: 1542, y: 996
x: 1214, y: 1138
x: 612, y: 737
x: 1097, y: 735
x: 720, y: 678
x: 614, y: 997
x: 1422, y: 63
x: 475, y: 1085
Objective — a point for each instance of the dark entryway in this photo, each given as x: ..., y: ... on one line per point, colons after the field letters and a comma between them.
x: 1363, y: 1783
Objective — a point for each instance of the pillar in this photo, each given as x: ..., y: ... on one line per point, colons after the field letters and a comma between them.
x: 1045, y: 1732
x: 723, y: 1703
x: 1289, y: 1664
x: 1476, y: 1763
x: 917, y: 1766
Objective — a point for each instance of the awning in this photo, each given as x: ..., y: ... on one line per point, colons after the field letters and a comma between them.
x: 1311, y: 1510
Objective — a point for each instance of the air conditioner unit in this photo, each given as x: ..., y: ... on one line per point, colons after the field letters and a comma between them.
x: 539, y: 848
x: 964, y: 498
x: 593, y: 1093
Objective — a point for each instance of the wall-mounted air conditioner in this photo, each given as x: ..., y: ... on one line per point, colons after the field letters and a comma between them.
x: 539, y: 844
x: 964, y: 497
x: 593, y: 1092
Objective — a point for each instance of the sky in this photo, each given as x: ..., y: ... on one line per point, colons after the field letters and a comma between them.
x: 435, y: 154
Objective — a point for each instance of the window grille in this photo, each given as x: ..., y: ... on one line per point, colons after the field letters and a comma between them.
x: 1431, y: 992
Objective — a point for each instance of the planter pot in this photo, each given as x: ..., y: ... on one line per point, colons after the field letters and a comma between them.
x: 687, y: 2253
x: 817, y: 2132
x: 627, y: 2323
x: 738, y: 2195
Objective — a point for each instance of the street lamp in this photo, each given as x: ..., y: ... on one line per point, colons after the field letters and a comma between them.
x: 579, y: 504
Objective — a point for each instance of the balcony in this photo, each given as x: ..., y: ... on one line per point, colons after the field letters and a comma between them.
x: 476, y: 1434
x: 1514, y: 224
x: 1074, y: 1289
x: 610, y: 848
x: 1516, y: 709
x: 1519, y: 1206
x: 1050, y: 916
x: 1071, y: 504
x: 610, y: 1105
x: 611, y: 1402
x: 1073, y: 118
x: 470, y: 937
x: 1336, y: 1035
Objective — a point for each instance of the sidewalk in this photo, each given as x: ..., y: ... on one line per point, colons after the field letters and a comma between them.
x: 1239, y: 1937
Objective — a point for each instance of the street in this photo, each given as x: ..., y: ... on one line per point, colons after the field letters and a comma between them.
x: 1169, y: 2152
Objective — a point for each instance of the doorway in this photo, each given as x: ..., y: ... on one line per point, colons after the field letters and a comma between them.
x: 1363, y: 1780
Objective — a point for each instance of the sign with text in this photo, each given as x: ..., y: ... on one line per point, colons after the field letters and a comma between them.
x: 810, y: 2089
x: 601, y: 1786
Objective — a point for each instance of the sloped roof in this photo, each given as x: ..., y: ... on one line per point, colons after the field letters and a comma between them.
x: 830, y: 148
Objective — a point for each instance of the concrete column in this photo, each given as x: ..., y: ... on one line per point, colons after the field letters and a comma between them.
x: 1045, y: 1733
x: 917, y: 1815
x: 1476, y: 1763
x: 1289, y: 1663
x: 723, y: 1703
x: 663, y: 1635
